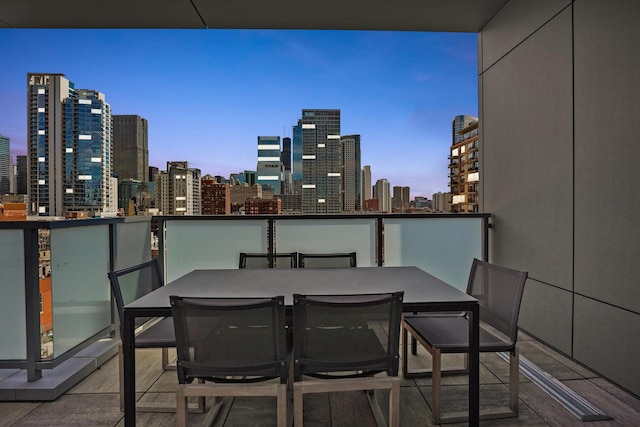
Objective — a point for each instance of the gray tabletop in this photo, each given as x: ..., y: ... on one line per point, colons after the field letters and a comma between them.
x: 421, y: 289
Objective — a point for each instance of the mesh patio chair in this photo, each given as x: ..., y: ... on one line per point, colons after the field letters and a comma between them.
x: 264, y: 260
x: 327, y: 260
x: 234, y: 345
x: 499, y: 292
x: 127, y: 285
x: 340, y: 343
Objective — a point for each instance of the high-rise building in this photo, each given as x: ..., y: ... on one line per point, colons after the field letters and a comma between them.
x: 179, y: 191
x: 287, y: 175
x: 382, y: 192
x: 458, y: 123
x: 130, y: 147
x: 441, y: 202
x: 351, y: 173
x: 286, y: 153
x: 69, y: 148
x: 464, y: 174
x: 45, y: 96
x: 401, y: 199
x: 296, y: 166
x: 269, y: 163
x: 21, y: 175
x: 87, y: 131
x: 5, y: 165
x: 321, y: 162
x: 366, y: 183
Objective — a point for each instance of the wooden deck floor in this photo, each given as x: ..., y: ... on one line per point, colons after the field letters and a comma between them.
x: 94, y: 402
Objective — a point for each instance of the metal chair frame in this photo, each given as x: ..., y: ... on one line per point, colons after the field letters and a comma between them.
x: 496, y: 335
x: 229, y: 380
x: 329, y: 375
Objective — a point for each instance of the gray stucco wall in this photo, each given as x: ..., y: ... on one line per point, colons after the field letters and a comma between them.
x: 559, y: 94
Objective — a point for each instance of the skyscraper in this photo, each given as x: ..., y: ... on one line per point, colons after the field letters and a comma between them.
x: 130, y: 147
x: 87, y: 159
x: 351, y: 173
x: 286, y: 153
x: 296, y: 166
x: 269, y: 163
x: 5, y: 165
x: 382, y: 192
x: 45, y: 96
x: 321, y: 160
x: 366, y: 184
x: 69, y: 147
x: 21, y: 175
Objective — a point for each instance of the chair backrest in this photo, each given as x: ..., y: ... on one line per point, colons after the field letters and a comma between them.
x: 340, y: 334
x: 221, y: 337
x: 131, y: 283
x: 264, y: 260
x: 327, y: 260
x: 499, y: 292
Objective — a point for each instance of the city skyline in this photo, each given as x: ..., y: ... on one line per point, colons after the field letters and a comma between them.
x: 207, y: 103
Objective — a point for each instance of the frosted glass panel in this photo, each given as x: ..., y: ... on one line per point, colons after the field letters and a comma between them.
x: 332, y: 235
x: 444, y: 247
x: 134, y: 243
x: 191, y: 245
x: 12, y: 303
x: 80, y: 290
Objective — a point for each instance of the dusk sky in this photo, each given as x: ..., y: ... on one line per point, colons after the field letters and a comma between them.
x: 208, y: 94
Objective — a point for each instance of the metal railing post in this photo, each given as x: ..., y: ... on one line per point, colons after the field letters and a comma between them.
x: 32, y: 303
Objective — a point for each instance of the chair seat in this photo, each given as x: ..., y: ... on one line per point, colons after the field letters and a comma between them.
x: 159, y: 335
x: 450, y: 334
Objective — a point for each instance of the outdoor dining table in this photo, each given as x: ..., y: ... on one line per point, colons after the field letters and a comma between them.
x: 422, y: 292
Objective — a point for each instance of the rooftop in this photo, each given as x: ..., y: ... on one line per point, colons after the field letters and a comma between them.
x: 94, y: 401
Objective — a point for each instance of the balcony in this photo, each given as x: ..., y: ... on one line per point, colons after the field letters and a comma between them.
x: 70, y: 371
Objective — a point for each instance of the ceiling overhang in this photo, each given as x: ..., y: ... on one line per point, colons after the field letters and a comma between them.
x: 402, y: 15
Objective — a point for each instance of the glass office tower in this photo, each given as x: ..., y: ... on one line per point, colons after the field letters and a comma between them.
x: 269, y: 163
x: 87, y: 153
x: 321, y: 161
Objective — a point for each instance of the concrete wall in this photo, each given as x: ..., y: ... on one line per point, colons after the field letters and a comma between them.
x: 559, y: 94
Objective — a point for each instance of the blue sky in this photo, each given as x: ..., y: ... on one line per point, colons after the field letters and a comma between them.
x: 208, y: 94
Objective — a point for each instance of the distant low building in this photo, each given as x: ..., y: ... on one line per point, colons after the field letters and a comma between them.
x: 216, y: 197
x: 256, y: 206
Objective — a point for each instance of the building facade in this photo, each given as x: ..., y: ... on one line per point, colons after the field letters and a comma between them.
x: 87, y: 131
x: 464, y: 173
x: 130, y: 147
x: 5, y: 165
x: 69, y: 143
x: 401, y: 199
x: 382, y: 192
x: 258, y: 206
x: 21, y: 174
x: 269, y: 163
x: 216, y: 197
x: 351, y: 173
x: 321, y: 162
x: 457, y: 124
x: 366, y: 183
x: 179, y: 190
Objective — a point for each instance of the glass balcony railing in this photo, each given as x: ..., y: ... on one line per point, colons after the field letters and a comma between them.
x: 59, y: 298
